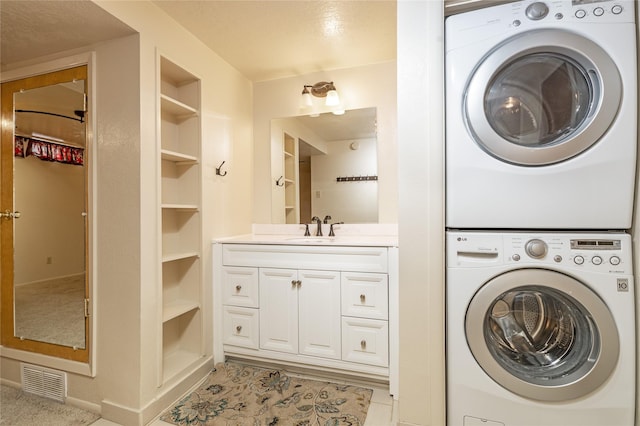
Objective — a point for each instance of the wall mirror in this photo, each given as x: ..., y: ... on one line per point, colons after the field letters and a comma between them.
x: 44, y: 216
x: 325, y: 166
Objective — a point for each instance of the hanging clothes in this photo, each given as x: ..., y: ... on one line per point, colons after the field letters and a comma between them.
x: 48, y: 151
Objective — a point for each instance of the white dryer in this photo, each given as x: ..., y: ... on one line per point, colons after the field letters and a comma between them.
x: 541, y: 115
x: 540, y: 329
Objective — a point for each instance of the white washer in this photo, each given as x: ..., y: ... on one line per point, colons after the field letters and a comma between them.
x: 540, y: 329
x: 541, y: 115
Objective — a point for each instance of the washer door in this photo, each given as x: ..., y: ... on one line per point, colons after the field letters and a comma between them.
x: 542, y: 335
x: 542, y: 97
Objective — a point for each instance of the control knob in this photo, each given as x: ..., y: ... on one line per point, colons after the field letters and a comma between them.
x: 536, y: 11
x: 536, y: 248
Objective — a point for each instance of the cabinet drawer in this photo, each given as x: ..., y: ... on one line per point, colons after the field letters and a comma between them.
x: 365, y: 295
x: 241, y: 327
x: 326, y: 258
x: 240, y: 286
x: 365, y: 341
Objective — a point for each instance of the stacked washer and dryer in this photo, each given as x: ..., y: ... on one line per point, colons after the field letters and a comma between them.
x: 540, y: 171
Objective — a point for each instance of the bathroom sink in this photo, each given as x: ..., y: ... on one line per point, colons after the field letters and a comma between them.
x: 311, y: 239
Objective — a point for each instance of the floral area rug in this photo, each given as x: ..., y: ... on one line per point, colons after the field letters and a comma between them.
x: 240, y: 395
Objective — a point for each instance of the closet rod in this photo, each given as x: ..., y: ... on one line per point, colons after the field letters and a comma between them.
x: 78, y: 112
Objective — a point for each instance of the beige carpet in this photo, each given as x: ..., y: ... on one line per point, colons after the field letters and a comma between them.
x: 239, y: 395
x: 51, y: 311
x: 22, y: 409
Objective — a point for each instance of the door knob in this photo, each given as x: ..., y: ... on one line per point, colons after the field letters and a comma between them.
x: 10, y: 215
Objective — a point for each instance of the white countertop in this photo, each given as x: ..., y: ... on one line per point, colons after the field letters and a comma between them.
x: 373, y: 235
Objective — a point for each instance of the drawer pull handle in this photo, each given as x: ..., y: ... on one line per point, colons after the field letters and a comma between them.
x: 238, y: 288
x: 238, y: 329
x: 363, y: 344
x: 363, y: 298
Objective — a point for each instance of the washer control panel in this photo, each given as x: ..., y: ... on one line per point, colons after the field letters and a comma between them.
x: 588, y: 252
x: 601, y: 252
x: 571, y: 10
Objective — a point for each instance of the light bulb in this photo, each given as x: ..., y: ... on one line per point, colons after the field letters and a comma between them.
x: 332, y: 98
x: 306, y: 99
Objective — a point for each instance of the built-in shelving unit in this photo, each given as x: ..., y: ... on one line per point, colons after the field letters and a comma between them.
x: 180, y: 208
x: 290, y: 179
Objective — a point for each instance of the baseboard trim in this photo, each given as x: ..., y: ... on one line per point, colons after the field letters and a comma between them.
x: 173, y: 393
x: 123, y: 415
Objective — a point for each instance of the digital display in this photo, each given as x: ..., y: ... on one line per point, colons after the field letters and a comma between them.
x: 596, y: 244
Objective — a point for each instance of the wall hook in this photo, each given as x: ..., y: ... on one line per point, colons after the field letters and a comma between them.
x: 279, y: 181
x: 218, y: 172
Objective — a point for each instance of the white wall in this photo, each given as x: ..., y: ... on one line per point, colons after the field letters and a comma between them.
x: 421, y: 206
x: 227, y: 136
x: 348, y: 202
x: 359, y: 87
x: 50, y: 198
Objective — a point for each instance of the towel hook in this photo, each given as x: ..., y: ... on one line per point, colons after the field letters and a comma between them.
x: 218, y: 172
x: 279, y: 181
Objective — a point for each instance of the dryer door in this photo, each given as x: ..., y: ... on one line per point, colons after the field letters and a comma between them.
x: 542, y: 335
x: 542, y: 97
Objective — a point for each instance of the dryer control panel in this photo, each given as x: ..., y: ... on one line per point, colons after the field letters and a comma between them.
x: 514, y: 18
x: 597, y: 252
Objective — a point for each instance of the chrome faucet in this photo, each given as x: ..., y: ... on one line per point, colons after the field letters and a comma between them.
x: 319, y: 226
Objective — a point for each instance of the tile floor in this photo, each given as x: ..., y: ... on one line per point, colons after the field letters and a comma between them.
x: 382, y: 410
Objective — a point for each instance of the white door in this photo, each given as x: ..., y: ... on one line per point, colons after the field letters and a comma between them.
x: 542, y: 97
x: 542, y: 334
x: 319, y: 313
x: 279, y: 310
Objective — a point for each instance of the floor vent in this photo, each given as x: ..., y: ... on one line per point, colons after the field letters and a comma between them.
x: 44, y: 382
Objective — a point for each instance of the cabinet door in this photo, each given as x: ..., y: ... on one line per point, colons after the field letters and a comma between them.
x: 279, y: 310
x: 319, y: 313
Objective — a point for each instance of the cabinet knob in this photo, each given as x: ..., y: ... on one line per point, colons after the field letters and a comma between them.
x: 363, y: 344
x: 238, y: 288
x: 363, y: 298
x: 299, y: 283
x: 238, y: 328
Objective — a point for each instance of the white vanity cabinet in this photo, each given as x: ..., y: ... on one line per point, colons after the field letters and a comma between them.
x: 324, y: 307
x: 300, y: 312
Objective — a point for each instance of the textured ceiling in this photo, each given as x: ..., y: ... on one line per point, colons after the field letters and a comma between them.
x: 262, y: 39
x: 31, y: 29
x: 266, y: 40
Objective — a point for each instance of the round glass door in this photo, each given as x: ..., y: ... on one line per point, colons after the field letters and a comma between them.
x: 533, y: 101
x: 542, y: 334
x: 538, y: 100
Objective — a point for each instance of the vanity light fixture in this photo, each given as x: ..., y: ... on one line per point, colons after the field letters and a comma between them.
x: 323, y: 89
